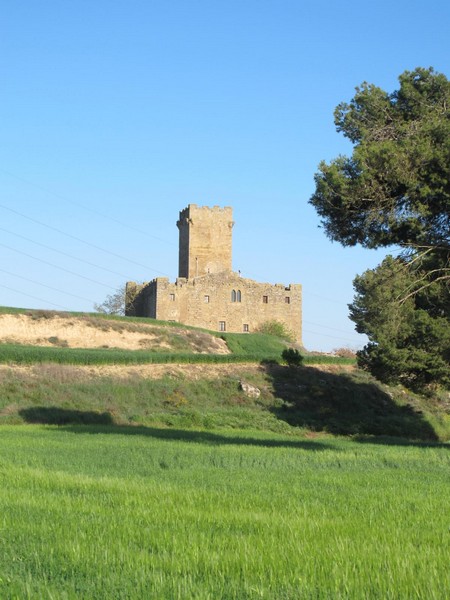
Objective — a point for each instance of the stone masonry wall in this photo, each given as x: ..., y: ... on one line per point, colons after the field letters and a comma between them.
x: 207, y: 293
x: 209, y: 302
x: 205, y: 243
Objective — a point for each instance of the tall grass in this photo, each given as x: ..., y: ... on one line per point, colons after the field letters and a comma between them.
x: 22, y: 354
x: 254, y: 344
x: 97, y: 513
x: 253, y: 347
x: 290, y: 400
x: 98, y: 356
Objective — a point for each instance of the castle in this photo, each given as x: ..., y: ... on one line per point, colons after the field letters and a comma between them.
x: 207, y: 293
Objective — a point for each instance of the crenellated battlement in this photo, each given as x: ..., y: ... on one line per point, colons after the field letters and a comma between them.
x: 207, y: 292
x: 205, y: 243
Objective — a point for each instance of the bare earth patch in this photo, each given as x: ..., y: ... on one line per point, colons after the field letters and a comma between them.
x: 69, y: 373
x: 78, y: 332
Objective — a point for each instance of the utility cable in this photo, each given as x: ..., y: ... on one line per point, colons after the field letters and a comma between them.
x: 330, y: 336
x: 34, y: 297
x: 46, y: 286
x: 57, y: 267
x: 23, y: 237
x: 325, y: 327
x: 328, y: 299
x: 115, y: 254
x: 103, y: 249
x: 73, y: 237
x: 87, y: 208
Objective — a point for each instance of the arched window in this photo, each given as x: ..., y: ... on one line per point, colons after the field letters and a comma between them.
x: 238, y: 296
x: 233, y: 296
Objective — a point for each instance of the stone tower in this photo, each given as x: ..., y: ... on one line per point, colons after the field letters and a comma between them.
x: 205, y: 240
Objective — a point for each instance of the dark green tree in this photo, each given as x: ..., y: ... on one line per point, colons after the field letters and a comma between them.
x: 408, y: 331
x: 395, y: 188
x: 395, y: 191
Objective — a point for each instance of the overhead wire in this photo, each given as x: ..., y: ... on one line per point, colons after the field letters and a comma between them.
x: 103, y: 215
x: 84, y: 207
x: 330, y: 336
x: 116, y: 255
x: 74, y: 237
x: 57, y: 267
x: 325, y: 326
x: 87, y: 262
x: 34, y: 297
x: 46, y: 286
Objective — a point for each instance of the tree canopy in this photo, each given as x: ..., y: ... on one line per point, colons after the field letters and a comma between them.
x: 395, y: 188
x: 409, y: 332
x: 395, y: 191
x: 114, y: 304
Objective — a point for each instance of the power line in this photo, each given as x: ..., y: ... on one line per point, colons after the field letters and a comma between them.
x: 57, y: 267
x: 87, y: 208
x: 69, y: 235
x: 99, y: 283
x: 325, y: 326
x: 329, y: 336
x: 328, y: 299
x: 46, y: 286
x: 63, y: 253
x: 34, y: 297
x: 107, y: 251
x: 102, y: 249
x: 98, y: 247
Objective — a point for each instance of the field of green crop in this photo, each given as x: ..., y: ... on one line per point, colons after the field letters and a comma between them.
x: 136, y: 512
x: 22, y: 354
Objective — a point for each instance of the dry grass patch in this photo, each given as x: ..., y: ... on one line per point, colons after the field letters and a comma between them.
x: 46, y: 328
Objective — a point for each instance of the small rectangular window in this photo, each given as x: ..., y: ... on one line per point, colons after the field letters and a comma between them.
x: 265, y: 299
x: 206, y: 299
x: 172, y: 297
x: 245, y: 328
x: 287, y: 300
x: 222, y: 326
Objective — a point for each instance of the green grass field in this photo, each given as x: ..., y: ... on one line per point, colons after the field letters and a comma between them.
x: 257, y: 348
x: 132, y: 512
x: 120, y: 485
x: 292, y: 401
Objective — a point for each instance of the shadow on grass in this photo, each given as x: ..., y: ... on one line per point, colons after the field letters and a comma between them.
x: 344, y: 404
x: 53, y: 415
x: 397, y: 441
x: 349, y: 404
x: 77, y: 421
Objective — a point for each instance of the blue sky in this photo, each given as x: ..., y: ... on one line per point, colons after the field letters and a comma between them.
x: 116, y: 115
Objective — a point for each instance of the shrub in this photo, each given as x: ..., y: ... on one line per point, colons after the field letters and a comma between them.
x: 277, y: 329
x: 344, y: 352
x: 292, y: 357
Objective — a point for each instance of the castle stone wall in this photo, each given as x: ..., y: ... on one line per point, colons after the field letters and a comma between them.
x: 225, y: 302
x: 135, y: 298
x: 207, y: 293
x: 205, y: 243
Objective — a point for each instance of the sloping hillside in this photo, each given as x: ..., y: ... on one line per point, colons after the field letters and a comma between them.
x: 61, y: 368
x: 45, y: 328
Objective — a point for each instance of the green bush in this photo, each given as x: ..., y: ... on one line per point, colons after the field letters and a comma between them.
x: 277, y: 329
x: 292, y: 357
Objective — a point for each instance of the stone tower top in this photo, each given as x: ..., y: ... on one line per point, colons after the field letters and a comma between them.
x: 205, y: 240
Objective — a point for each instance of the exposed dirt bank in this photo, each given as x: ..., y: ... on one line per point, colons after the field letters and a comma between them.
x: 153, y: 371
x: 42, y: 329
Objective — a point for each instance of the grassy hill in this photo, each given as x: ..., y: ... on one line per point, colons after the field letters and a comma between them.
x: 133, y: 464
x: 177, y: 376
